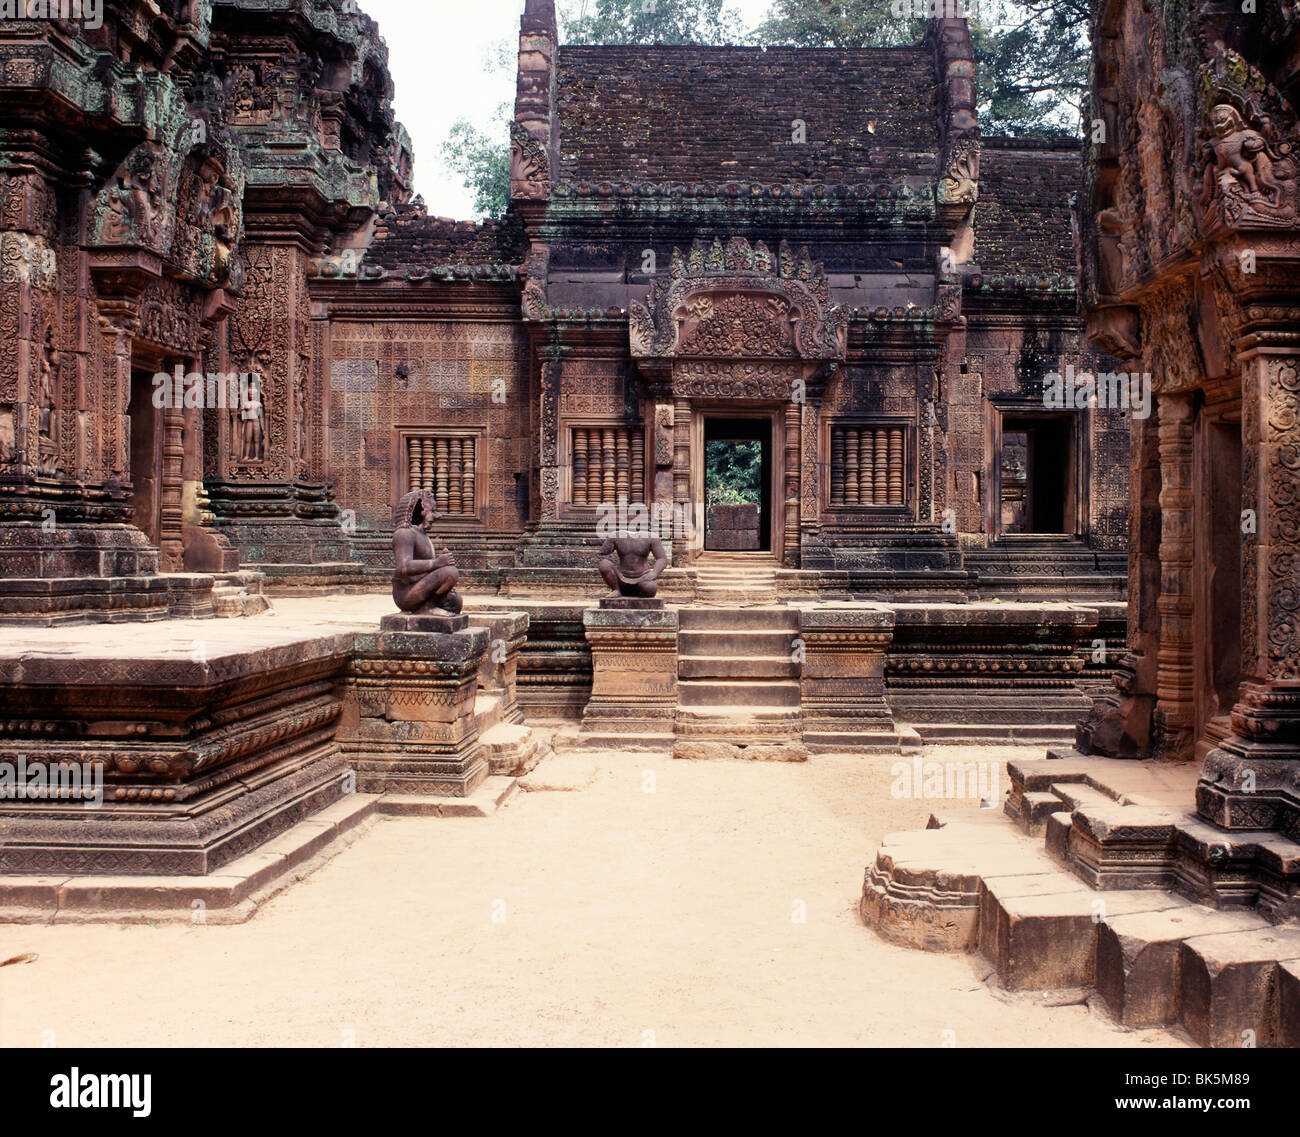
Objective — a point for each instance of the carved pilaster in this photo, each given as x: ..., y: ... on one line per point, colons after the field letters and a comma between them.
x: 1119, y: 724
x: 171, y: 540
x: 1253, y: 780
x: 681, y: 471
x: 550, y: 450
x: 1175, y: 714
x: 793, y: 455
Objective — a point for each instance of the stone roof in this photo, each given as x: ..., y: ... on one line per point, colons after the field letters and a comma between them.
x: 407, y: 238
x: 716, y: 114
x: 1023, y: 218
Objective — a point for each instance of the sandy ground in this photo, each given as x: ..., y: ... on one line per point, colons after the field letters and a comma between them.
x: 658, y: 906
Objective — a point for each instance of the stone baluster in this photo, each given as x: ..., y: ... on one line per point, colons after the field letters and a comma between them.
x: 895, y: 467
x: 867, y: 468
x: 852, y: 492
x: 455, y: 471
x: 579, y: 467
x: 837, y: 466
x: 637, y: 492
x: 622, y: 465
x: 468, y: 475
x: 440, y: 473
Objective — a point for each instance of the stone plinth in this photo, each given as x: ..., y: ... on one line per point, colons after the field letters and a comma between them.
x: 408, y: 721
x: 207, y: 750
x: 985, y: 672
x: 441, y: 625
x: 634, y: 677
x: 842, y: 681
x: 631, y: 604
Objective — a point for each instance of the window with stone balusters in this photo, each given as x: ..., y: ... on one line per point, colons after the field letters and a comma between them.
x: 446, y: 463
x: 868, y: 465
x: 606, y: 465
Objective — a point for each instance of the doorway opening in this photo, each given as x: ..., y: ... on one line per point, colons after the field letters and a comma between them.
x: 1217, y: 569
x: 1037, y: 475
x: 738, y: 485
x: 146, y: 458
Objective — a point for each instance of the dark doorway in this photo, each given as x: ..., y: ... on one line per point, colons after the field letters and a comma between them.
x: 1037, y: 481
x: 738, y: 484
x: 146, y: 458
x: 1217, y: 567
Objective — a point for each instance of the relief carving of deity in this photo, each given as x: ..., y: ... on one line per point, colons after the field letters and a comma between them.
x: 1239, y: 159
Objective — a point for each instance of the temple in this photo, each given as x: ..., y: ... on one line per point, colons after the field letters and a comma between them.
x: 1023, y: 412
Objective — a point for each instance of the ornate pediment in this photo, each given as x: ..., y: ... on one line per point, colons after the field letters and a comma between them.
x: 739, y: 301
x: 178, y: 197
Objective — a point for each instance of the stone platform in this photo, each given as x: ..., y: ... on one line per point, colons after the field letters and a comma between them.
x: 1098, y: 878
x: 201, y: 743
x: 972, y: 673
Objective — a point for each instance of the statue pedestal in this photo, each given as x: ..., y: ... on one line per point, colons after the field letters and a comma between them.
x: 439, y: 624
x: 408, y: 722
x: 634, y: 675
x: 842, y: 681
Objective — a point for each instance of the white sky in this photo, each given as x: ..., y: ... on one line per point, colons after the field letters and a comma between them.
x: 438, y: 52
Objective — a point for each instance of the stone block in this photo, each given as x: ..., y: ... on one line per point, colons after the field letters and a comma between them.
x: 1051, y: 941
x: 1228, y: 984
x: 427, y: 625
x: 1288, y: 1004
x: 1137, y: 959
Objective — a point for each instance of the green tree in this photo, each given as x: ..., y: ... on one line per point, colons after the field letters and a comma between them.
x: 651, y: 21
x: 734, y: 473
x: 483, y: 161
x: 1032, y: 55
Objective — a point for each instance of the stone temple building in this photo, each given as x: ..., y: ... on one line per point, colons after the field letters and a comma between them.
x: 817, y: 252
x: 1011, y: 399
x: 811, y: 249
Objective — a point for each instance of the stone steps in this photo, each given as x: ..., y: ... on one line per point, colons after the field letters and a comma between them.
x: 739, y: 725
x: 510, y: 749
x: 738, y: 693
x: 735, y: 582
x: 1091, y: 888
x: 746, y: 643
x: 769, y: 620
x: 737, y: 667
x: 737, y: 679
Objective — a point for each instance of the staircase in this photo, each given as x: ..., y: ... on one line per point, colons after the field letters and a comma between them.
x: 738, y: 683
x: 1100, y: 886
x: 735, y: 579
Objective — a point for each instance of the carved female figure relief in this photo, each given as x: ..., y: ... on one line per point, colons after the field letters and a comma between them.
x: 47, y: 416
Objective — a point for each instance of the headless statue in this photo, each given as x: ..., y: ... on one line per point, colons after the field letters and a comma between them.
x: 423, y: 584
x: 624, y: 566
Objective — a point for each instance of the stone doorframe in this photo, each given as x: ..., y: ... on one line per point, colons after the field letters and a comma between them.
x: 737, y: 325
x: 779, y: 464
